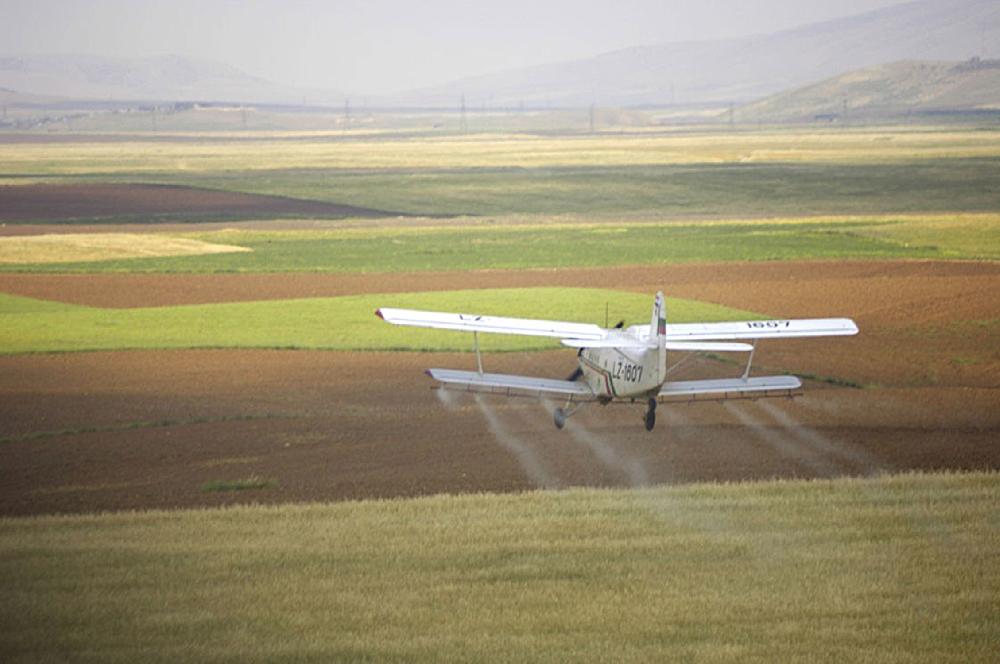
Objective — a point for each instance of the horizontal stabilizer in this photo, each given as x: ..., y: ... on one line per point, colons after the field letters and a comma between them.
x: 625, y: 343
x: 708, y: 347
x: 631, y: 343
x: 730, y: 388
x: 509, y: 385
x: 494, y: 324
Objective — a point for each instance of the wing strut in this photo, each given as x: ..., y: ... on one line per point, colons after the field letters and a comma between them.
x: 479, y: 358
x: 746, y: 372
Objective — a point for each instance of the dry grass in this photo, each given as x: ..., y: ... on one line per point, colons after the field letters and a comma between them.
x: 500, y: 151
x: 890, y: 569
x: 75, y: 247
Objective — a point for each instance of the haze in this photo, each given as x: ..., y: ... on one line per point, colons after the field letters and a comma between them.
x: 380, y: 46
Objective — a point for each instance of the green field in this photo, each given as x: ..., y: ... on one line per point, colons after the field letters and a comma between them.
x: 506, y: 244
x: 891, y: 569
x: 728, y: 189
x: 339, y: 323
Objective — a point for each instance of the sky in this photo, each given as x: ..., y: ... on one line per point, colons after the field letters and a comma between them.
x: 383, y: 46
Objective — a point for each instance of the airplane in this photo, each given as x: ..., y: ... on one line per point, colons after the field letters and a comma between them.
x: 622, y: 364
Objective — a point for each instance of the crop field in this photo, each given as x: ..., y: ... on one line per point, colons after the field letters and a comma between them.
x: 795, y: 571
x: 609, y: 176
x: 467, y: 245
x: 43, y: 326
x: 210, y: 447
x: 505, y: 151
x: 74, y: 247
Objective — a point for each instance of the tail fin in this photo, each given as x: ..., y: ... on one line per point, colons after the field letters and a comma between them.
x: 658, y: 326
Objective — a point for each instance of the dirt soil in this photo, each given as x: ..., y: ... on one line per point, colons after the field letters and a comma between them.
x: 149, y: 429
x: 148, y: 203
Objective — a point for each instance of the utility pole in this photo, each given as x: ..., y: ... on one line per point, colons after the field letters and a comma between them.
x: 152, y: 116
x: 347, y: 112
x: 732, y: 115
x: 243, y: 115
x: 591, y: 118
x: 463, y: 125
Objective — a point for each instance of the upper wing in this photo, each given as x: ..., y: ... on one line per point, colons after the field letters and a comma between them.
x: 762, y: 329
x: 580, y: 335
x: 496, y: 324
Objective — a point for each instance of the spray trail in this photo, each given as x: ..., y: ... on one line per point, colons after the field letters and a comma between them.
x: 780, y: 443
x: 447, y: 399
x: 675, y: 417
x: 525, y: 456
x: 630, y: 468
x: 820, y: 443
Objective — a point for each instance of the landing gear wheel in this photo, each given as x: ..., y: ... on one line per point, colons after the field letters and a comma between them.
x: 559, y: 418
x: 651, y: 415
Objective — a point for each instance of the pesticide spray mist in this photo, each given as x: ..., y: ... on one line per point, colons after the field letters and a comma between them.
x: 532, y: 465
x: 819, y: 443
x: 447, y: 399
x: 631, y: 469
x: 783, y: 445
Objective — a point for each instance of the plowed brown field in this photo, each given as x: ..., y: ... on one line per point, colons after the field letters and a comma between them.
x: 59, y: 202
x: 98, y: 431
x: 337, y: 426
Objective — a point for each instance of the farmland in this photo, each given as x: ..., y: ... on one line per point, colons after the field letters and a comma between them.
x: 258, y: 381
x: 43, y: 326
x: 798, y: 571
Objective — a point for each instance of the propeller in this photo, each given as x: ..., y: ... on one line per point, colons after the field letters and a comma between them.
x: 575, y: 376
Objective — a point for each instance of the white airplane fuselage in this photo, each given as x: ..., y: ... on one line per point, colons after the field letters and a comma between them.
x: 614, y: 373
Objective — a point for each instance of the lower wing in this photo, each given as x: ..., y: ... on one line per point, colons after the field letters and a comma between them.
x: 512, y: 386
x: 729, y: 388
x: 687, y: 390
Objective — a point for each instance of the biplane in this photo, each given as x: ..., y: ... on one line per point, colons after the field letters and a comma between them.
x: 625, y: 364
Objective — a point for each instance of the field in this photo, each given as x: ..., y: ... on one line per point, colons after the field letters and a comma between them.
x: 796, y: 571
x: 259, y: 381
x: 41, y: 326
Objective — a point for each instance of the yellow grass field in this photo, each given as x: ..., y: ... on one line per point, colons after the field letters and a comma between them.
x: 70, y: 247
x: 499, y: 151
x: 890, y: 569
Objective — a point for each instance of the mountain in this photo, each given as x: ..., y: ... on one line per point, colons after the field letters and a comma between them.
x: 160, y: 78
x: 734, y: 70
x: 888, y: 90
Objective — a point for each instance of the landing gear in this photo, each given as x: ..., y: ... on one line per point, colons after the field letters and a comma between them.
x: 651, y: 415
x: 562, y: 414
x: 560, y: 418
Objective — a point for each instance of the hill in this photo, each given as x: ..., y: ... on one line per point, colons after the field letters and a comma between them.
x: 885, y: 91
x: 159, y: 78
x: 734, y: 70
